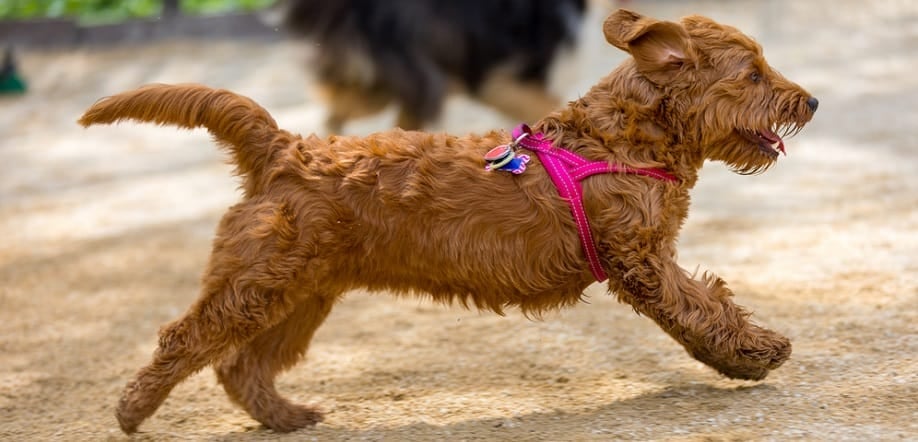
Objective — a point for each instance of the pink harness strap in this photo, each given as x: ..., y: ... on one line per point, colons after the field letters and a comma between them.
x: 567, y: 170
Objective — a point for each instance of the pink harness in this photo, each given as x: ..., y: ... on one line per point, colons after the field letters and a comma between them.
x: 567, y: 170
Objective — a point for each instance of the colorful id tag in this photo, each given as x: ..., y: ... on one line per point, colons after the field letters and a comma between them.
x: 504, y: 158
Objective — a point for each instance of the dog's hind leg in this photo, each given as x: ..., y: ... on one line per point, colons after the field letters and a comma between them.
x: 248, y: 375
x: 526, y: 101
x: 408, y: 120
x: 350, y: 101
x: 224, y: 318
x: 247, y: 289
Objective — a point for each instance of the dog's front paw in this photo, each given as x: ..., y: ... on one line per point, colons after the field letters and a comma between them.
x: 766, y: 347
x: 752, y: 356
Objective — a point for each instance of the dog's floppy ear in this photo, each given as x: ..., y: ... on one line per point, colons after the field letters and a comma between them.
x: 658, y: 47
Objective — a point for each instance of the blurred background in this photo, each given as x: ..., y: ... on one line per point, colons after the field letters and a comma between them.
x: 104, y: 232
x: 110, y: 11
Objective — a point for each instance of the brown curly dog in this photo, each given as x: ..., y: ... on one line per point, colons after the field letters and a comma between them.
x: 417, y: 213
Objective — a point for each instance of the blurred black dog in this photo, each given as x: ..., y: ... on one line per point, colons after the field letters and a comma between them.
x: 370, y: 53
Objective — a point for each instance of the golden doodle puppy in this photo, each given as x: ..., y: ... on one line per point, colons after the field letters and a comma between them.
x: 599, y: 192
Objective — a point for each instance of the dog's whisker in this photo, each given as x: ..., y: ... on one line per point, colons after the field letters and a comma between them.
x: 782, y: 129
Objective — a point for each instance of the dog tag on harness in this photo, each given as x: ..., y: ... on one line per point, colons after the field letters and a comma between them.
x: 499, y: 154
x: 504, y: 158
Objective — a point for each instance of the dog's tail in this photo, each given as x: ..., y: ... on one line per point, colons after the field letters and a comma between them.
x: 236, y: 122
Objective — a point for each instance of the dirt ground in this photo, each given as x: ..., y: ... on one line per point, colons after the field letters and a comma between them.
x: 106, y: 231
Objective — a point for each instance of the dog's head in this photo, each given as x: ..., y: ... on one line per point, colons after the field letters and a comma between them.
x: 717, y: 87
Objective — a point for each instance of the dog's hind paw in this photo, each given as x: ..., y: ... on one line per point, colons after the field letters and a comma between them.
x: 291, y: 417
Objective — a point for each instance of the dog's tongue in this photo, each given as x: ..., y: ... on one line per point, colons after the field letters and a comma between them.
x: 776, y: 142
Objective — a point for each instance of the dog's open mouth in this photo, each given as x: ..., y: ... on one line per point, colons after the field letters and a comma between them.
x: 767, y: 141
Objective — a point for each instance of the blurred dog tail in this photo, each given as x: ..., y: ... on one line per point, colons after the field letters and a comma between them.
x: 236, y: 122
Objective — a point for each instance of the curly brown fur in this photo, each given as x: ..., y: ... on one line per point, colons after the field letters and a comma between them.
x: 414, y: 213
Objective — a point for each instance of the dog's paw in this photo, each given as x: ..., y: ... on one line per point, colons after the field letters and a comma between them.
x: 752, y: 358
x: 135, y: 406
x: 767, y: 348
x: 127, y: 423
x: 291, y: 417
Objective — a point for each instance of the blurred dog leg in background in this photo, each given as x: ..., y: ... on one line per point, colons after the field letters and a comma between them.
x: 413, y: 53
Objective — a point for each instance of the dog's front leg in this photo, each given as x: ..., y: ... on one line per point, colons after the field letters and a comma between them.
x: 701, y: 316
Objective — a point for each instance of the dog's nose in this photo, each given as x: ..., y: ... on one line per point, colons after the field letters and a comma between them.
x: 813, y: 103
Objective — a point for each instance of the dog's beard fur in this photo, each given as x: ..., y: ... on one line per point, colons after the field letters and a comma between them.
x: 748, y: 108
x: 705, y: 90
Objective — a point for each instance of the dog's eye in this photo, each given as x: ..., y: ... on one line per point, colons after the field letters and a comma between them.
x: 755, y: 77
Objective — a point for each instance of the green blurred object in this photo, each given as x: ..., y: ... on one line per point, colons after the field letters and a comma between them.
x: 83, y: 10
x: 109, y: 11
x: 10, y: 81
x: 220, y: 6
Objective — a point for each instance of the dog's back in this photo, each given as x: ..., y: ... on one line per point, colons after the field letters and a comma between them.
x: 410, y: 51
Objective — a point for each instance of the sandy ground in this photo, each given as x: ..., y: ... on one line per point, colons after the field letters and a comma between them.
x: 106, y: 231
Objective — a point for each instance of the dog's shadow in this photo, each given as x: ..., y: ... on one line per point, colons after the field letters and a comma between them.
x: 687, y: 409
